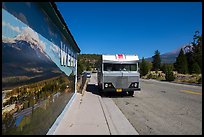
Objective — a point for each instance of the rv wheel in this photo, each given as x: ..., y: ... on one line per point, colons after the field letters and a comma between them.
x: 131, y: 93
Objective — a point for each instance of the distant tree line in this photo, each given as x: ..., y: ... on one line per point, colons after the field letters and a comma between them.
x: 87, y: 62
x: 189, y: 61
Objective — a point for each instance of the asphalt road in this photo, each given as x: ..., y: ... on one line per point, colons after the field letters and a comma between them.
x: 162, y: 108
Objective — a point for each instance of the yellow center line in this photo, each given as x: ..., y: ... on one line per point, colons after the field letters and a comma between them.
x: 192, y: 92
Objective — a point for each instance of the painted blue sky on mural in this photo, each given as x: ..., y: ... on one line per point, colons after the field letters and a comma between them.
x: 12, y: 29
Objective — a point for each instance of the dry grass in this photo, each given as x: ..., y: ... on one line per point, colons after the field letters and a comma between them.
x: 186, y: 78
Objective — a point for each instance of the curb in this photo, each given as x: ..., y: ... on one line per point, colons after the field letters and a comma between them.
x: 115, y: 119
x: 111, y: 127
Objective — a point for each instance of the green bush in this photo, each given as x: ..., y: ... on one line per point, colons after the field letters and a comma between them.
x: 200, y: 80
x: 149, y: 76
x: 169, y: 75
x: 152, y: 76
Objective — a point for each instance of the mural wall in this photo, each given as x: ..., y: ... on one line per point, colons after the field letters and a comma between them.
x: 38, y: 69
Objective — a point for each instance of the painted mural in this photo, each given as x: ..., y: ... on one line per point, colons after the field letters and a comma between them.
x: 38, y: 77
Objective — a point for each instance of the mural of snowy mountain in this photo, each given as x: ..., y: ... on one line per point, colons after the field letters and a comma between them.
x: 24, y: 60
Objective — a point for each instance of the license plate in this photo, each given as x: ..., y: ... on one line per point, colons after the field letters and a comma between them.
x: 119, y: 90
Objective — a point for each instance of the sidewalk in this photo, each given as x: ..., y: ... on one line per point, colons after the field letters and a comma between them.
x: 89, y: 114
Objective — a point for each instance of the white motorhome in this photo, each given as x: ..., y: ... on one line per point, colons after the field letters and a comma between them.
x: 119, y: 73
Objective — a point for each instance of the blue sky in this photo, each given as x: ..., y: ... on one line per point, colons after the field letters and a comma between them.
x: 131, y: 27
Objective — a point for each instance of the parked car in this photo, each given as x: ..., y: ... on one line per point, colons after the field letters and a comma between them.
x: 88, y: 75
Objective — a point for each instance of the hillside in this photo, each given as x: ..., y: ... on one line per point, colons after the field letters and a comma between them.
x: 88, y: 62
x: 167, y: 58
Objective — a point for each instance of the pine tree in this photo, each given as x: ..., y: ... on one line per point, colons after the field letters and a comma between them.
x: 194, y: 55
x: 181, y: 64
x: 156, y: 61
x: 149, y: 65
x: 190, y: 60
x: 143, y: 67
x: 196, y: 68
x: 197, y: 49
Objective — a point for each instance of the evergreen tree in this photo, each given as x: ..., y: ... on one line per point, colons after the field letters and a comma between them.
x: 196, y: 68
x: 194, y: 52
x: 181, y: 64
x: 156, y: 61
x: 149, y: 65
x: 190, y: 60
x: 162, y: 68
x: 197, y: 49
x: 143, y: 67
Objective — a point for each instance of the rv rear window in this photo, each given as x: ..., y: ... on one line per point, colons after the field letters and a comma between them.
x: 120, y: 67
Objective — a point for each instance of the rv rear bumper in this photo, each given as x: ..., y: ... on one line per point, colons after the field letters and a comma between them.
x: 120, y: 90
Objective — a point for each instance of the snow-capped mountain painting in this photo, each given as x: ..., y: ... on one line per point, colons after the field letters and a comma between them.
x: 27, y: 56
x: 24, y: 60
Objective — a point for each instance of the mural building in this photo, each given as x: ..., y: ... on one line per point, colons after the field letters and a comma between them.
x: 39, y: 60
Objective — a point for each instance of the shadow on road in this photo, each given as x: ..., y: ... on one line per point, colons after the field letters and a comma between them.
x: 95, y: 90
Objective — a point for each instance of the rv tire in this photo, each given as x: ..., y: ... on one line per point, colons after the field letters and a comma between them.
x: 131, y: 93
